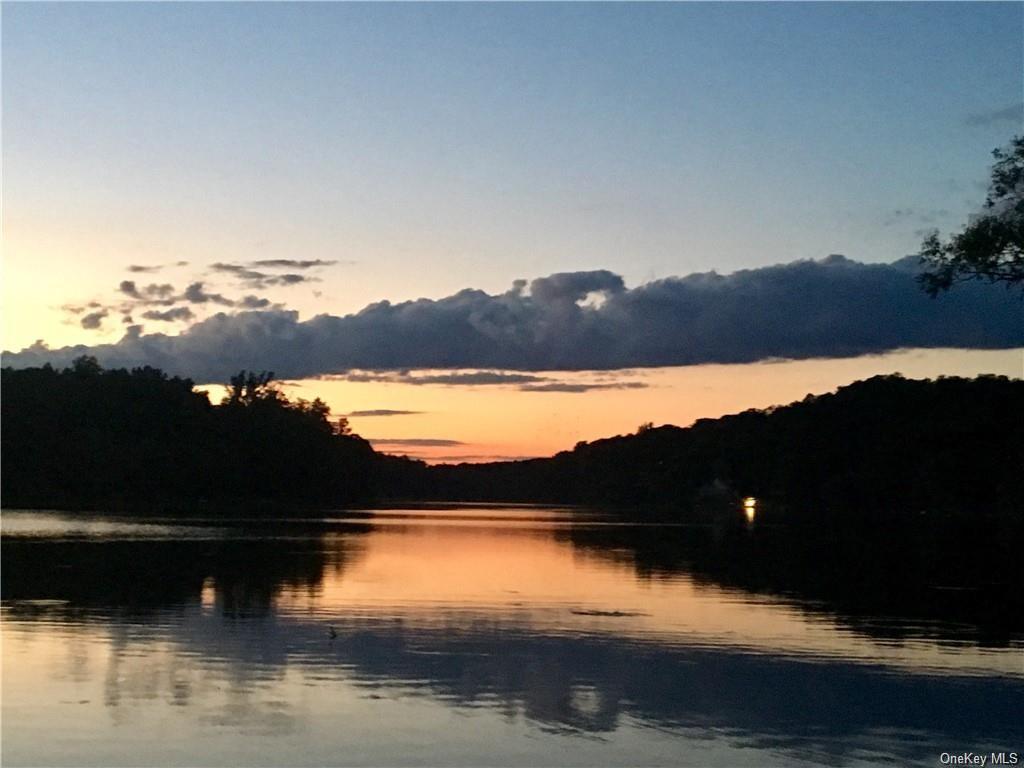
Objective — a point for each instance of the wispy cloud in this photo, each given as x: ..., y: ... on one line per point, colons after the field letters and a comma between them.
x: 576, y: 387
x: 382, y: 412
x: 175, y: 315
x: 471, y: 378
x: 1011, y: 115
x: 829, y: 308
x: 916, y: 216
x: 287, y: 279
x: 260, y: 280
x: 238, y: 270
x: 292, y: 263
x: 524, y: 382
x: 151, y: 268
x: 420, y: 442
x: 77, y: 309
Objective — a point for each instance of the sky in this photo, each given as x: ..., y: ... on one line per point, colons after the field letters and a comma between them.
x: 537, y: 191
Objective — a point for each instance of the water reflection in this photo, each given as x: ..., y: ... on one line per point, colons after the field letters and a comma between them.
x: 949, y: 582
x: 750, y: 508
x: 668, y: 645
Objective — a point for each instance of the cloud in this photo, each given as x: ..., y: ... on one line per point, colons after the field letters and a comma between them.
x: 523, y: 381
x: 287, y: 279
x: 163, y: 294
x: 576, y: 387
x: 916, y: 216
x: 472, y: 378
x: 93, y: 320
x: 382, y: 412
x: 154, y: 293
x: 834, y: 307
x: 256, y: 279
x: 77, y: 309
x: 128, y: 288
x: 292, y: 263
x: 238, y: 270
x: 475, y: 378
x: 1012, y: 115
x: 170, y: 316
x: 151, y: 268
x: 197, y: 294
x: 422, y: 442
x: 252, y: 302
x: 162, y: 291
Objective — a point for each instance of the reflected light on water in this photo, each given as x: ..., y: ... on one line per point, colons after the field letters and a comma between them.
x: 750, y: 508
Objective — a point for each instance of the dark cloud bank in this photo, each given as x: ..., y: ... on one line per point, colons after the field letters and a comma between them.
x: 829, y: 308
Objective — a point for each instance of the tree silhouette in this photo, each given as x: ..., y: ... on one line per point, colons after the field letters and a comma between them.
x: 85, y: 436
x: 248, y: 388
x: 86, y: 365
x: 876, y: 446
x: 991, y: 247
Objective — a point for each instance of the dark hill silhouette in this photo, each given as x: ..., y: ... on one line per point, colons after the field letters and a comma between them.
x: 88, y: 437
x: 887, y: 443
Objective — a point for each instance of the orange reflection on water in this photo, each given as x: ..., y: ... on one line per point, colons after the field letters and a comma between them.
x: 750, y: 508
x: 518, y: 612
x: 528, y: 576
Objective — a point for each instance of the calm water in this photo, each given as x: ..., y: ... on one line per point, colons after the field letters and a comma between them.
x: 497, y: 636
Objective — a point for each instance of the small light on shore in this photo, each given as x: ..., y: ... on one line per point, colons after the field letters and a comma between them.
x: 750, y: 508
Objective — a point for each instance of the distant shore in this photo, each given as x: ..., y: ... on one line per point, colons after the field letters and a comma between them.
x: 86, y: 438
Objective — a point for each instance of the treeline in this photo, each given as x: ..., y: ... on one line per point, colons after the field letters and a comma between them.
x: 879, y: 445
x: 87, y: 437
x: 84, y: 437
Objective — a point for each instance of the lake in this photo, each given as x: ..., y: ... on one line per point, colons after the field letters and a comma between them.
x: 504, y: 635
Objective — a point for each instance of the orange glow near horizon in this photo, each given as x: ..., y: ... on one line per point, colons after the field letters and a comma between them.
x: 489, y: 422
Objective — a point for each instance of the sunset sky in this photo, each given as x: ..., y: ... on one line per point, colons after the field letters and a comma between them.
x: 208, y: 187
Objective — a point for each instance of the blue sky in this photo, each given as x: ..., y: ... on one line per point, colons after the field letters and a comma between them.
x: 414, y: 151
x: 440, y: 146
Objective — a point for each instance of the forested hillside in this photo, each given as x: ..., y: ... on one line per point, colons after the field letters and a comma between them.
x: 87, y: 437
x: 84, y: 436
x: 886, y: 443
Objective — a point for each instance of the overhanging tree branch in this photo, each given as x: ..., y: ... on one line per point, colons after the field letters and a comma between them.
x: 991, y: 246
